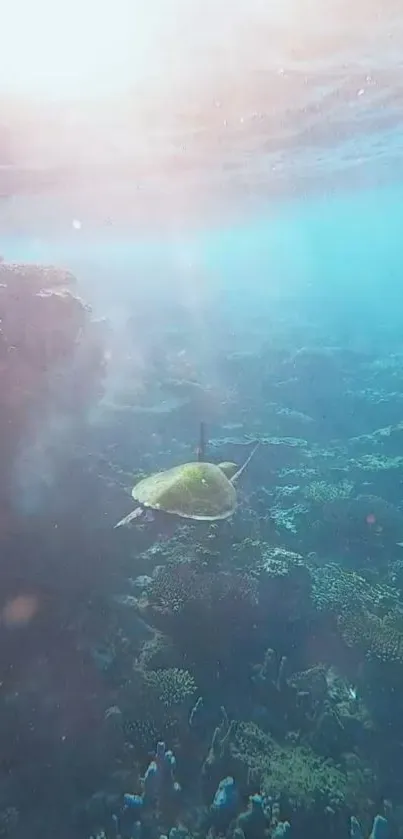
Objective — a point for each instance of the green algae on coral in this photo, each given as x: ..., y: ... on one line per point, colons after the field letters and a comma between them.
x: 295, y: 774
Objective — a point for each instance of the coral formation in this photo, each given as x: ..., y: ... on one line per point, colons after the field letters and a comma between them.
x: 156, y: 703
x: 202, y: 611
x: 338, y: 589
x: 52, y: 355
x: 377, y: 637
x: 171, y: 686
x: 295, y: 776
x: 320, y: 492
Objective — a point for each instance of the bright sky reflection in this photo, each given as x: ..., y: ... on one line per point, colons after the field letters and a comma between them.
x: 84, y: 47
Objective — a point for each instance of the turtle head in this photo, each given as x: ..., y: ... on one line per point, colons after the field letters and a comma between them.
x: 229, y: 469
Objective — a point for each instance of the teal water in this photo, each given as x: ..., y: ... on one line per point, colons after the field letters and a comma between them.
x: 343, y: 249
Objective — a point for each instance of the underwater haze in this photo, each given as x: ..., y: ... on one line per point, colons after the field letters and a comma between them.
x: 201, y: 415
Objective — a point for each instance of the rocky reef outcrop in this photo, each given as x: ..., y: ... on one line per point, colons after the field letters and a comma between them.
x: 51, y: 363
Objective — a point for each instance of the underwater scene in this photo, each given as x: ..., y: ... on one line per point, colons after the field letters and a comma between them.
x: 201, y: 415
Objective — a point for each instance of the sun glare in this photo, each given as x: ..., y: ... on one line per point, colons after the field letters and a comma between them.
x: 74, y: 47
x: 85, y: 47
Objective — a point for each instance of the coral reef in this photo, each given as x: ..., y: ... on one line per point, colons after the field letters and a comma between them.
x: 338, y: 589
x: 156, y: 703
x: 264, y: 651
x: 201, y: 611
x: 171, y: 686
x: 320, y: 492
x: 377, y: 637
x: 306, y: 786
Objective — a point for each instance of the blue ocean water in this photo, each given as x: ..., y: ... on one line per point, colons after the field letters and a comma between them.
x: 340, y: 251
x: 198, y: 266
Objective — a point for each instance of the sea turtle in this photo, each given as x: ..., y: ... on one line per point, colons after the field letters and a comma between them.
x: 198, y: 490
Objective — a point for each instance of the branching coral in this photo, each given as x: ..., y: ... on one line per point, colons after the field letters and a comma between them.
x: 369, y: 617
x: 158, y: 653
x: 335, y: 589
x: 156, y: 702
x: 377, y: 463
x: 321, y: 492
x: 377, y: 637
x: 288, y: 519
x: 207, y: 614
x: 171, y: 686
x: 304, y: 783
x: 176, y: 588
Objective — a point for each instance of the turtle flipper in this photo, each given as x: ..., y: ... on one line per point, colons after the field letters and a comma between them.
x: 247, y: 461
x: 130, y: 517
x: 201, y: 449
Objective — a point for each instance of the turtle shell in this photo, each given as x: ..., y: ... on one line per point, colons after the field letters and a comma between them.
x: 192, y: 491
